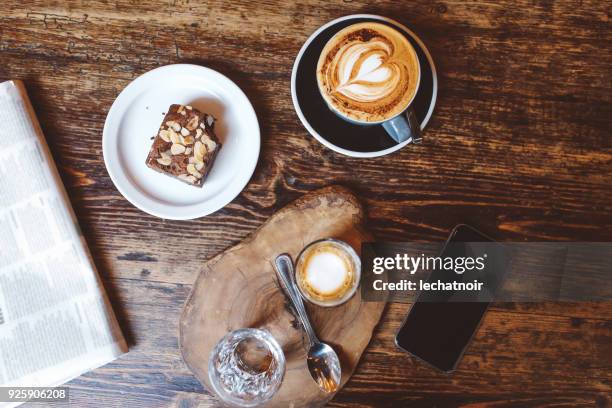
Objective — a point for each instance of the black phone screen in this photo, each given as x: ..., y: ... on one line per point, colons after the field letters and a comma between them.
x: 438, y: 332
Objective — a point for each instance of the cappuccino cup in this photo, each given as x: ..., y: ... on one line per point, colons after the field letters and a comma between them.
x: 368, y: 73
x: 328, y: 272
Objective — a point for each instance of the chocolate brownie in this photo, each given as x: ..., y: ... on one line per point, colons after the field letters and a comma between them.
x: 185, y: 146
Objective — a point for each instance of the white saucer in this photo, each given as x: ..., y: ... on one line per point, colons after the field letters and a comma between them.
x: 135, y: 117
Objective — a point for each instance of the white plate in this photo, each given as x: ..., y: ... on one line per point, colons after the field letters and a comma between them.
x: 135, y: 117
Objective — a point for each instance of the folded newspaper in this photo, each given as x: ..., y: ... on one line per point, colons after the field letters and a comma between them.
x: 56, y: 321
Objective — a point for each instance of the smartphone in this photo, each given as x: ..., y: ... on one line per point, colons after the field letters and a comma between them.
x: 438, y: 330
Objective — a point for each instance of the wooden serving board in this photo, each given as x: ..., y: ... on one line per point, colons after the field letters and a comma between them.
x: 238, y: 288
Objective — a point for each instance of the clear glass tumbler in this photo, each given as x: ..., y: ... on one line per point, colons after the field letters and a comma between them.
x: 246, y: 367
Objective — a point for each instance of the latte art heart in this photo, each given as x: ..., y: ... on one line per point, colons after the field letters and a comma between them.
x: 368, y: 72
x: 364, y: 72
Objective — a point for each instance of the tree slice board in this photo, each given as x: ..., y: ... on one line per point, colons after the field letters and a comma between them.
x: 238, y: 288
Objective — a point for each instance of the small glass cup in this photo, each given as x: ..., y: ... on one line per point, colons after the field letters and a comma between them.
x: 246, y: 367
x: 346, y: 291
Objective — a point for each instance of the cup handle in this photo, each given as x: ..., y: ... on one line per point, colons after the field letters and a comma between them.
x: 404, y: 127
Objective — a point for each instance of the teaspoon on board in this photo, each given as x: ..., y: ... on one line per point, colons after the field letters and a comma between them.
x: 323, y: 362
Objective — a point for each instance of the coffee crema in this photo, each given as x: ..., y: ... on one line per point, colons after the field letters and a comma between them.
x: 326, y: 272
x: 368, y: 72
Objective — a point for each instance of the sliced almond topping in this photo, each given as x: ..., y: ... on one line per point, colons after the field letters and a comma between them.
x: 185, y: 132
x: 192, y: 160
x: 164, y: 161
x: 202, y: 125
x: 176, y: 127
x: 180, y: 108
x: 174, y: 137
x: 198, y: 151
x: 177, y: 148
x: 192, y: 170
x: 210, y: 120
x: 166, y: 153
x: 210, y: 144
x: 193, y: 123
x: 187, y: 178
x: 164, y: 135
x: 171, y: 124
x: 199, y: 132
x: 199, y: 166
x: 188, y: 151
x: 188, y: 107
x: 204, y: 148
x: 189, y: 140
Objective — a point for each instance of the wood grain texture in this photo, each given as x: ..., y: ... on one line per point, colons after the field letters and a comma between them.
x: 519, y: 146
x: 239, y: 288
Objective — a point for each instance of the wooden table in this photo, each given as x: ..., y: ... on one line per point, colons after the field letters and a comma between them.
x: 519, y: 147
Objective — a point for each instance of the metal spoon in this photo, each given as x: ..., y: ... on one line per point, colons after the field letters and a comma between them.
x: 323, y: 362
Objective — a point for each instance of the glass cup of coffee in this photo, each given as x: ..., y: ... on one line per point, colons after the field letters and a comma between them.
x: 246, y: 367
x: 328, y: 272
x: 368, y: 73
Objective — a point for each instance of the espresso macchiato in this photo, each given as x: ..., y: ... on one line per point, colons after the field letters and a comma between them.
x: 327, y: 272
x: 368, y: 72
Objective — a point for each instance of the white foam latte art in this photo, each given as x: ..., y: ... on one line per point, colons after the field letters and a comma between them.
x: 363, y: 72
x: 326, y: 273
x: 368, y: 72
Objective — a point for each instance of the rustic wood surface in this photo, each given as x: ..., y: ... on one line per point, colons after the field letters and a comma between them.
x: 519, y: 146
x: 238, y: 288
